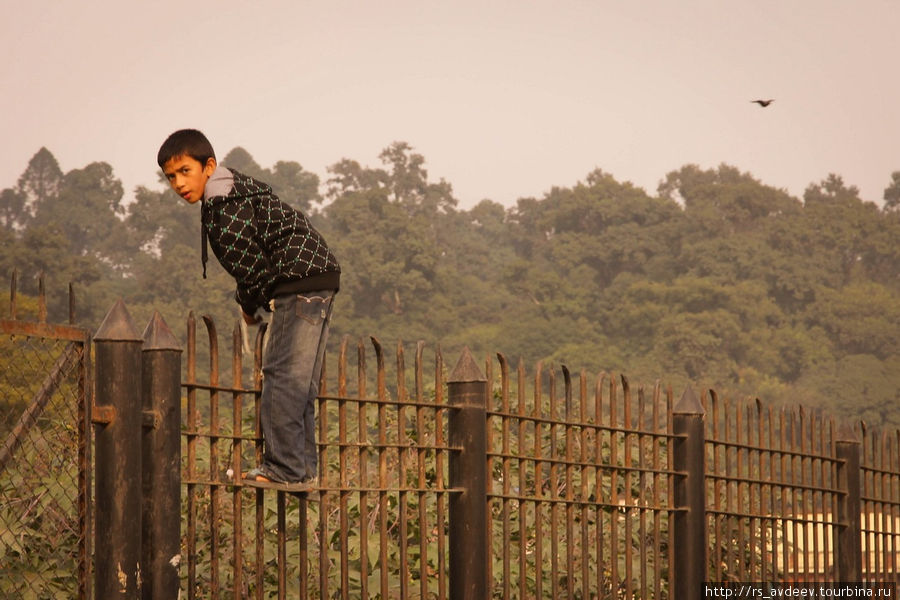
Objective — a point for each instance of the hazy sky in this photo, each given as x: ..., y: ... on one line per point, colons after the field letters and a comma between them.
x: 503, y: 99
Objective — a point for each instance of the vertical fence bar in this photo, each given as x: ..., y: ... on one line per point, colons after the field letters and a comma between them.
x: 834, y: 499
x: 85, y: 460
x: 642, y: 496
x: 690, y: 497
x: 849, y: 543
x: 259, y: 502
x: 598, y: 454
x: 344, y: 461
x: 237, y: 410
x: 467, y: 389
x: 213, y: 436
x: 718, y: 493
x: 521, y: 504
x: 118, y: 456
x: 583, y: 445
x: 402, y: 483
x: 421, y: 473
x: 628, y: 493
x: 553, y: 484
x: 507, y: 484
x: 538, y: 484
x: 325, y: 507
x: 614, y: 436
x: 13, y: 290
x: 383, y: 519
x: 363, y: 461
x: 740, y: 524
x: 569, y: 484
x: 191, y: 449
x: 489, y: 480
x: 161, y: 460
x: 439, y: 483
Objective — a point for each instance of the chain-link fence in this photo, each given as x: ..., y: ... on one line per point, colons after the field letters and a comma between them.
x: 44, y: 458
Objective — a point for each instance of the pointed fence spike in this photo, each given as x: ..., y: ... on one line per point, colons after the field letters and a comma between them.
x: 688, y: 404
x: 466, y: 369
x: 71, y: 304
x: 846, y: 433
x: 117, y: 326
x: 13, y: 282
x: 158, y: 336
x: 42, y: 300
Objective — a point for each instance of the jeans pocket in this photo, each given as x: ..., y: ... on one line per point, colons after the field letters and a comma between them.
x: 313, y: 309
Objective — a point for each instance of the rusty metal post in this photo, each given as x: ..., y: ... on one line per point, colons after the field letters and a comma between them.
x: 849, y: 542
x: 689, y: 519
x: 161, y: 460
x: 467, y: 430
x: 117, y: 414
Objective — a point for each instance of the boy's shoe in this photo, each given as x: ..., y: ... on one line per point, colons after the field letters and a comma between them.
x: 258, y: 478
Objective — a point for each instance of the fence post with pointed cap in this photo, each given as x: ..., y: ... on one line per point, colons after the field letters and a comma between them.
x: 161, y: 457
x: 690, y: 496
x: 849, y: 542
x: 467, y: 433
x: 117, y: 416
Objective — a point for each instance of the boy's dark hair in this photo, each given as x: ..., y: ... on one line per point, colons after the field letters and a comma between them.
x: 185, y: 142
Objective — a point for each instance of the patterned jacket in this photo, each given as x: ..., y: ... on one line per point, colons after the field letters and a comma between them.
x: 267, y: 246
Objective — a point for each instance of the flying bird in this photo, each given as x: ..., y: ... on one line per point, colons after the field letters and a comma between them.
x: 763, y: 103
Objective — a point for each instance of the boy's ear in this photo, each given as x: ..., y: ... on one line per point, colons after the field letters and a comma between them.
x: 210, y: 166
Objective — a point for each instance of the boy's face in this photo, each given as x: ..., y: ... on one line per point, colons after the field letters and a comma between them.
x: 188, y: 176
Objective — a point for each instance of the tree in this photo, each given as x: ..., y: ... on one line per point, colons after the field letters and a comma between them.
x: 391, y: 231
x: 409, y: 185
x: 725, y: 201
x: 290, y: 182
x: 12, y: 209
x: 88, y: 210
x: 295, y: 186
x: 892, y: 193
x: 841, y: 226
x: 159, y: 221
x: 41, y: 180
x: 861, y: 318
x: 240, y: 160
x: 719, y: 280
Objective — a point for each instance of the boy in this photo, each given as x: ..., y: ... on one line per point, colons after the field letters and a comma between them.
x: 280, y: 263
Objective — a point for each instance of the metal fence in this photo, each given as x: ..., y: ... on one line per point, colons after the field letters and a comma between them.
x: 375, y: 527
x: 44, y: 454
x: 580, y: 486
x: 586, y: 486
x: 481, y: 481
x: 880, y: 502
x: 576, y: 498
x: 792, y: 497
x: 774, y: 494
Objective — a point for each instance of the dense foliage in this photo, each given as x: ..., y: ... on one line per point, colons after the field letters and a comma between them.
x: 718, y: 280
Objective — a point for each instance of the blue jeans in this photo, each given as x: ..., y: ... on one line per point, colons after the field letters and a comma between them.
x: 292, y: 365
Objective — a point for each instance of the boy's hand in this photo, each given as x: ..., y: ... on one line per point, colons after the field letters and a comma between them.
x: 250, y: 319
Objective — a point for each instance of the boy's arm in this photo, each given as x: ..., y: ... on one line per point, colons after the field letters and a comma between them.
x: 234, y: 241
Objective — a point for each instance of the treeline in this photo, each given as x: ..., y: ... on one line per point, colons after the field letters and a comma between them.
x: 718, y: 279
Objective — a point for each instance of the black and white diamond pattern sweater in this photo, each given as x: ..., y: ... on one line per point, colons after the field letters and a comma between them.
x: 267, y: 246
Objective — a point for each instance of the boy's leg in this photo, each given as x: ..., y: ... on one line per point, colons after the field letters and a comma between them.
x: 291, y: 368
